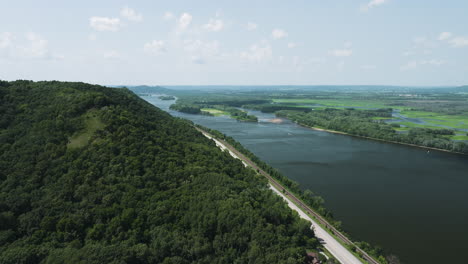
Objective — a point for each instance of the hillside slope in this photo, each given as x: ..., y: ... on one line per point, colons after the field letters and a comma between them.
x: 90, y: 174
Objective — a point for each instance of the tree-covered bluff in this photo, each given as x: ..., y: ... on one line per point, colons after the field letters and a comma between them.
x: 90, y: 174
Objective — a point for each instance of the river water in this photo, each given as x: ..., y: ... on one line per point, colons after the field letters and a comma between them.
x: 410, y: 202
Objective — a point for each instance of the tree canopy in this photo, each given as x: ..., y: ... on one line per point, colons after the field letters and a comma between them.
x: 90, y: 174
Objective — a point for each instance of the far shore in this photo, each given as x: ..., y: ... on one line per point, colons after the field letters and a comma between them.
x: 381, y: 140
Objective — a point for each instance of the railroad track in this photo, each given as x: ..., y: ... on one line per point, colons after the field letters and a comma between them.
x: 297, y: 201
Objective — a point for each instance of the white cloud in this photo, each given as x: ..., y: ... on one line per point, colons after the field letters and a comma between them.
x: 341, y: 52
x: 459, y: 42
x: 214, y: 25
x: 258, y: 53
x: 201, y: 48
x: 168, y: 16
x: 279, y: 34
x: 433, y: 62
x: 372, y: 4
x: 131, y: 14
x: 420, y: 41
x: 251, y: 26
x: 184, y: 21
x: 201, y: 51
x: 36, y: 48
x: 421, y: 46
x: 348, y: 44
x: 414, y: 64
x: 105, y: 23
x: 292, y: 45
x: 456, y: 42
x: 445, y: 35
x: 32, y: 46
x: 92, y: 37
x: 206, y: 48
x: 112, y: 54
x: 155, y: 47
x: 6, y: 40
x: 423, y: 43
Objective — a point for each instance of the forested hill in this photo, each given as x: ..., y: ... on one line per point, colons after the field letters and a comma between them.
x: 90, y: 174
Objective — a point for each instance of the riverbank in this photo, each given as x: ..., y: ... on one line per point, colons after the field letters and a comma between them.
x: 338, y: 249
x: 383, y: 182
x: 376, y: 139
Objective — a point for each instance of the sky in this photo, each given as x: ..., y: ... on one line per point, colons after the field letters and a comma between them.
x: 256, y: 42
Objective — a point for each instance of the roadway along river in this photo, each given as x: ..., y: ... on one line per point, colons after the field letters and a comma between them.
x: 410, y: 202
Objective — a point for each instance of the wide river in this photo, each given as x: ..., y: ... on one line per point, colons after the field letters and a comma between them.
x: 410, y: 202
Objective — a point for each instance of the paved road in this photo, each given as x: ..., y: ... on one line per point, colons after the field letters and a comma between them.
x: 334, y: 247
x: 330, y: 243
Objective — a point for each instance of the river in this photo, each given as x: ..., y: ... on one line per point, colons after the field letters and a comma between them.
x: 404, y: 199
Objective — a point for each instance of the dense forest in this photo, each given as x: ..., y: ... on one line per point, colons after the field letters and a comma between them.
x: 362, y: 123
x: 90, y: 174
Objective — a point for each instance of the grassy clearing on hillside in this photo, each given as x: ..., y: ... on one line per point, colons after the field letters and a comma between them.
x: 92, y: 124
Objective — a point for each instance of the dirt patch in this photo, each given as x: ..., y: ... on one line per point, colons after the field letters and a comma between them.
x: 276, y: 120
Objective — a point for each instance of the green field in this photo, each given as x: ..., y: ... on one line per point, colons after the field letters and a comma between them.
x: 459, y: 137
x: 453, y: 121
x: 432, y: 119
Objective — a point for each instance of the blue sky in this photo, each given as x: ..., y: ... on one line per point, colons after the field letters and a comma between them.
x: 256, y: 42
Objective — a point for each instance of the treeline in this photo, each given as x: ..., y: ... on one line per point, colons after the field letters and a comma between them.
x: 167, y: 97
x: 361, y: 123
x: 186, y: 108
x: 143, y: 188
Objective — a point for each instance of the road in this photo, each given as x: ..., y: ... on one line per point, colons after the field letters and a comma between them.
x: 338, y: 251
x: 330, y: 243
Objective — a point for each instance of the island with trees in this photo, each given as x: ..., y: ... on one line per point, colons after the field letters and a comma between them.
x: 167, y: 97
x: 232, y: 109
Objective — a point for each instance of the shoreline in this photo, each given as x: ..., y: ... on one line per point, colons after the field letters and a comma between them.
x: 335, y: 247
x: 381, y: 140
